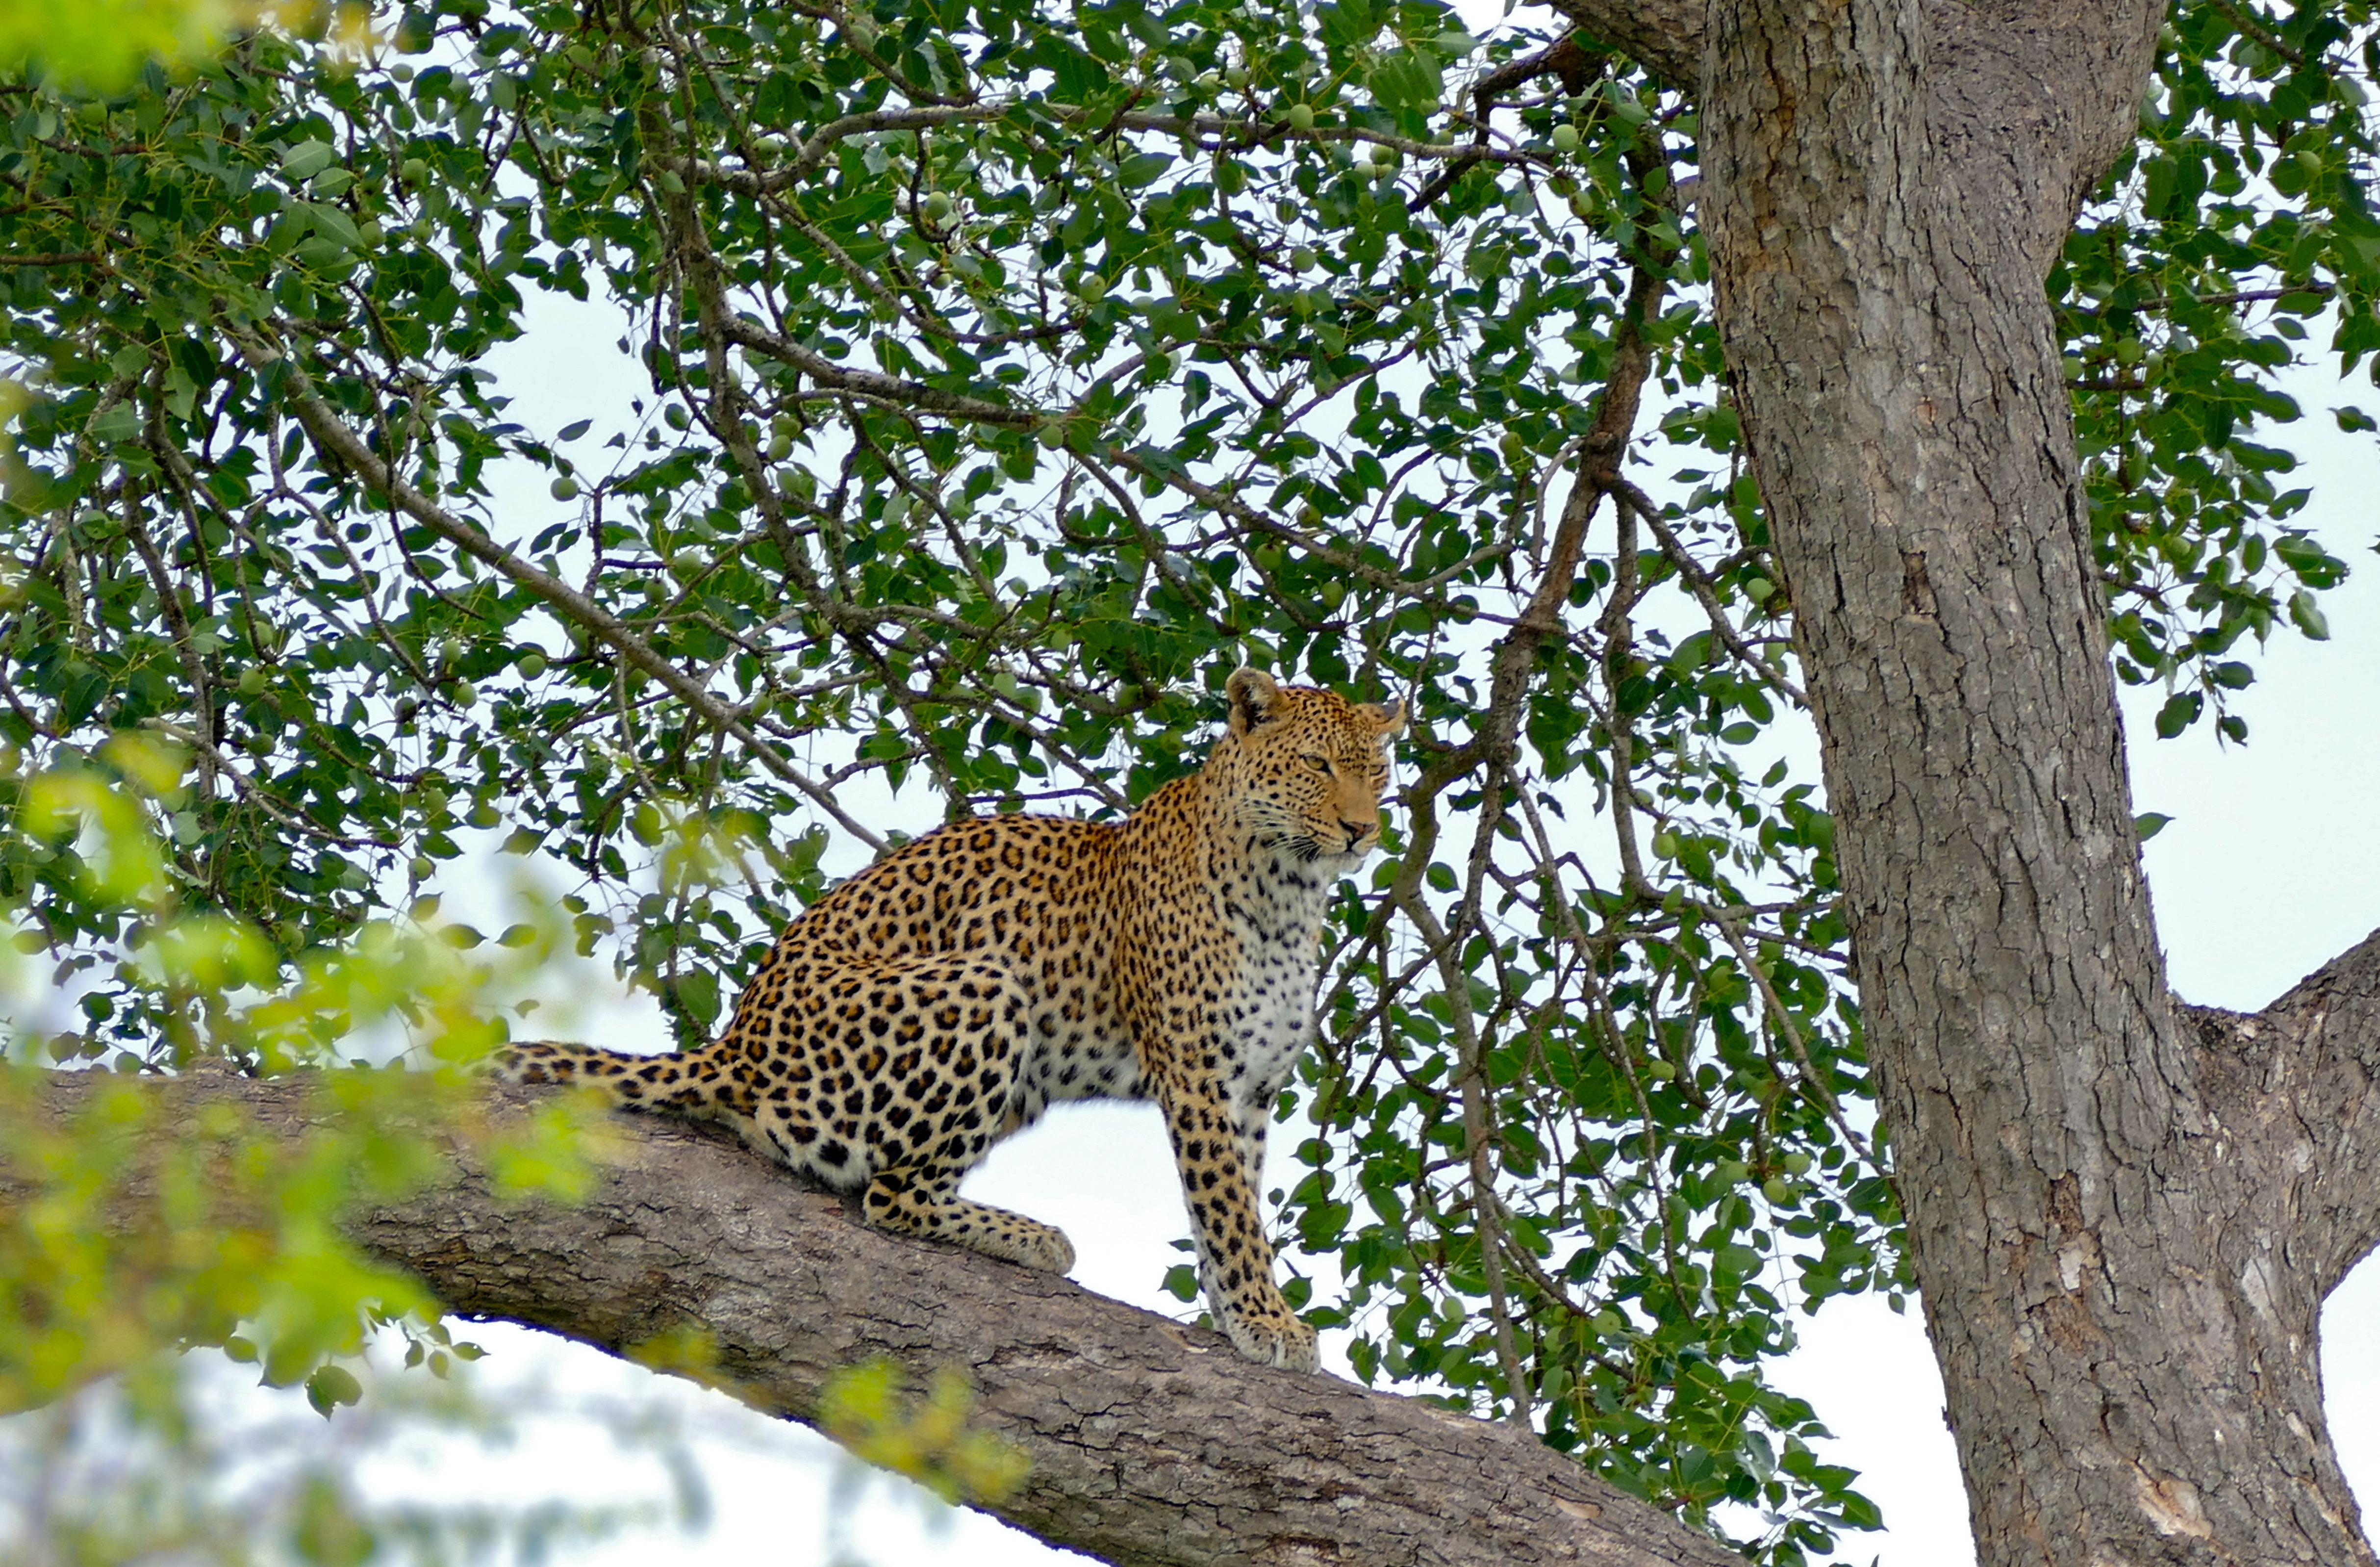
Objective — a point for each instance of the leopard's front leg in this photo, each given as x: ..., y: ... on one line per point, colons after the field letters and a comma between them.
x: 1235, y: 1257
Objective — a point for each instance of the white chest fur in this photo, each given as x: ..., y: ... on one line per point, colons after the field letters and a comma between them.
x: 1279, y: 926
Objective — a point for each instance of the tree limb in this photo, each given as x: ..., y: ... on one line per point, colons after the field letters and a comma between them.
x: 2296, y: 1087
x: 1151, y: 1443
x: 1664, y: 36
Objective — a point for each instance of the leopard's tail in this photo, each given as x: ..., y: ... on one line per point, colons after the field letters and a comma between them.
x: 692, y: 1083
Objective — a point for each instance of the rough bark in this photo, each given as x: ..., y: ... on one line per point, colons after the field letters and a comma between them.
x: 2122, y: 1217
x: 1152, y: 1443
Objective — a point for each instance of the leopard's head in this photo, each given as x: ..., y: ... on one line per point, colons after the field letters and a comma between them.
x: 1308, y: 767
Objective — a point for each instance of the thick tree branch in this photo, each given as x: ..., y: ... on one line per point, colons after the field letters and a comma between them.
x: 1664, y: 36
x: 1151, y: 1443
x: 2296, y: 1088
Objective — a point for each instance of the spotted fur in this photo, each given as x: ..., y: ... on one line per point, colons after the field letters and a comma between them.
x: 942, y: 999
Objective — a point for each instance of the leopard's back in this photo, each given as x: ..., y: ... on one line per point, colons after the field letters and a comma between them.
x: 1045, y: 897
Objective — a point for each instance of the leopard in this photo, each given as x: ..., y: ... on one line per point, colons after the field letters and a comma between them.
x: 942, y: 999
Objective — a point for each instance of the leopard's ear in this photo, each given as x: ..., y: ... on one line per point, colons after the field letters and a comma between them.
x: 1254, y: 697
x: 1391, y: 716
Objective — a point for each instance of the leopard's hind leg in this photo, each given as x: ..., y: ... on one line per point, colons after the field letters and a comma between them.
x: 923, y: 1200
x: 896, y: 1078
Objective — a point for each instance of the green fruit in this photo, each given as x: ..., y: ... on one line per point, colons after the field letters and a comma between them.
x: 1301, y: 116
x: 564, y: 488
x: 1565, y: 139
x: 937, y: 206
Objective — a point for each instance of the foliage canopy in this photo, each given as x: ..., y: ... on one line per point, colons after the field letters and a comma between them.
x: 1005, y: 374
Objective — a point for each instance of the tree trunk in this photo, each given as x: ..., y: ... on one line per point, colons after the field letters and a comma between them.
x: 1152, y: 1444
x: 2111, y: 1232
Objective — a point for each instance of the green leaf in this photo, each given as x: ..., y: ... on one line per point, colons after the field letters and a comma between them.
x: 332, y: 1386
x: 1408, y: 79
x: 2179, y: 714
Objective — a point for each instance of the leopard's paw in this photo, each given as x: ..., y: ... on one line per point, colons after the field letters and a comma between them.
x: 1276, y: 1339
